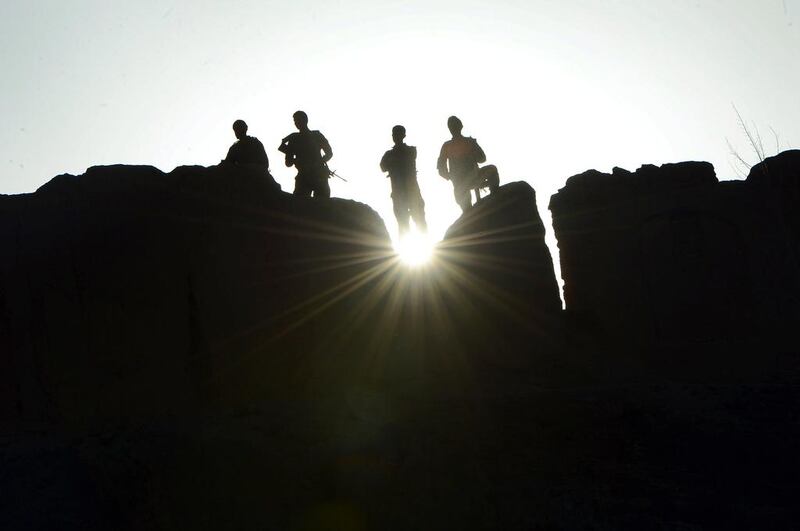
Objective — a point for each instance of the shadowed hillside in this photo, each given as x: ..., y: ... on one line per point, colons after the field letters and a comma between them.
x: 198, y: 350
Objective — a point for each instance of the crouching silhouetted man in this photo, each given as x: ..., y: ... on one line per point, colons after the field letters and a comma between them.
x: 308, y: 151
x: 247, y: 150
x: 401, y: 163
x: 458, y: 163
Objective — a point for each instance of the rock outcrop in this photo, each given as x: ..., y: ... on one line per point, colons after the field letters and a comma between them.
x: 670, y: 256
x: 497, y: 254
x: 501, y: 241
x: 128, y: 291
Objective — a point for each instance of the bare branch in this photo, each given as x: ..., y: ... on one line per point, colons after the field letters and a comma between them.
x: 738, y: 171
x: 747, y: 133
x: 738, y: 157
x: 777, y: 140
x: 761, y: 152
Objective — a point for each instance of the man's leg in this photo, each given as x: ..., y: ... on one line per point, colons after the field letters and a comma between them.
x: 301, y: 186
x: 323, y: 187
x: 417, y: 207
x: 401, y: 213
x: 462, y: 195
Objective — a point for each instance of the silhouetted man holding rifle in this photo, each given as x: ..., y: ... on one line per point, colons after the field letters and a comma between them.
x: 309, y: 152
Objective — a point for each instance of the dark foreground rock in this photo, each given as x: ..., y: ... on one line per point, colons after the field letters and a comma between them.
x: 126, y: 291
x: 197, y: 350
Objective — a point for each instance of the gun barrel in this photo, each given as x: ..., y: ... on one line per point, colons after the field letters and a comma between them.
x: 332, y: 172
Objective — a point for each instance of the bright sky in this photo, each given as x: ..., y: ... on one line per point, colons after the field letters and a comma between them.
x: 549, y: 88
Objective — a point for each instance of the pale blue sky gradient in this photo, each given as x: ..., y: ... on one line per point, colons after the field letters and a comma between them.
x: 550, y: 88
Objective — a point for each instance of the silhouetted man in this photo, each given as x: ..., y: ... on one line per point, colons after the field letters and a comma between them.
x: 458, y: 162
x: 401, y: 163
x: 247, y: 150
x: 308, y: 151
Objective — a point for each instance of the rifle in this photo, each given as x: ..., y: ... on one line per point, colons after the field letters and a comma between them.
x: 333, y: 173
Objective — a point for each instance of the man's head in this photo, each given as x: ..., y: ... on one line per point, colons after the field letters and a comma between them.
x: 454, y: 125
x: 239, y: 129
x: 300, y: 120
x: 398, y: 133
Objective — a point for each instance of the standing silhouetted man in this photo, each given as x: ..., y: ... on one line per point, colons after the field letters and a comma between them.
x: 458, y: 163
x: 308, y: 151
x: 247, y: 150
x: 401, y: 163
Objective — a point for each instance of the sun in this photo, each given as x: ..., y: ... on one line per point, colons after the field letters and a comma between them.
x: 415, y: 249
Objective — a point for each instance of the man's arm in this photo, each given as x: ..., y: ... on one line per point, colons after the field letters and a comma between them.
x: 284, y: 148
x: 327, y: 152
x: 385, y: 162
x: 262, y: 154
x: 480, y: 156
x: 284, y: 145
x: 230, y: 157
x: 441, y: 164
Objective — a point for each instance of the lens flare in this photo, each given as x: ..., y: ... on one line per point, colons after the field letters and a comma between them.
x: 414, y: 249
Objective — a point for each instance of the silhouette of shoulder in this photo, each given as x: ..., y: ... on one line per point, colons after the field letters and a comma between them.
x: 401, y: 151
x: 458, y: 143
x: 400, y: 160
x: 299, y: 135
x: 287, y: 141
x: 461, y: 148
x: 300, y: 138
x: 248, y: 150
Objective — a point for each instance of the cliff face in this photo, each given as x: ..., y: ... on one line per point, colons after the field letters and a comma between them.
x: 126, y: 291
x: 129, y: 291
x: 198, y: 350
x: 161, y: 328
x: 670, y: 256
